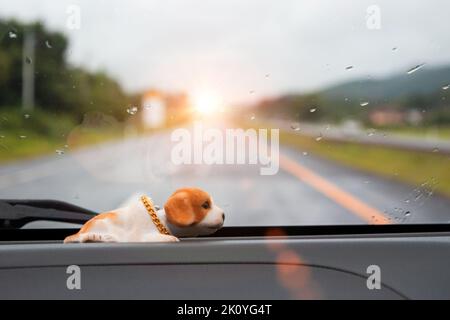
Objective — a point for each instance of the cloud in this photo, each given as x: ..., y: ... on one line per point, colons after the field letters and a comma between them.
x: 232, y: 45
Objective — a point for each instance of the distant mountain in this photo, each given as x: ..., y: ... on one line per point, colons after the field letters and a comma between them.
x: 423, y: 81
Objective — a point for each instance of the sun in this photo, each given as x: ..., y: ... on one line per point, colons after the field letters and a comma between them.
x: 206, y: 103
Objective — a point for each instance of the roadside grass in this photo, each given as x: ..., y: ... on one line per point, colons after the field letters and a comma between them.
x: 27, y: 135
x: 13, y: 147
x: 424, y: 132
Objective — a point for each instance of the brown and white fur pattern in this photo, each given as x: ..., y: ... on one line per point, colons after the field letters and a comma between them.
x: 188, y: 212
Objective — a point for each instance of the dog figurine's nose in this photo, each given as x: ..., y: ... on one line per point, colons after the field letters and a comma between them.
x: 223, y: 217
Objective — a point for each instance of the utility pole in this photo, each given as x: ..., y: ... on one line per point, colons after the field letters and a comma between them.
x: 28, y: 70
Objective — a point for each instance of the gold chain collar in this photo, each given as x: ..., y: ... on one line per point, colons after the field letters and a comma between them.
x: 148, y: 204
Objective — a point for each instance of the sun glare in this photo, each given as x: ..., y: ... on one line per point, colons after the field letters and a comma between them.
x: 206, y: 103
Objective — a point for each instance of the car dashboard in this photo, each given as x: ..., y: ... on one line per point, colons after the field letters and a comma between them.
x: 335, y: 262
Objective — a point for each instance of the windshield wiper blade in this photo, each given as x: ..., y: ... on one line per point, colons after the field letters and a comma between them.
x: 17, y: 213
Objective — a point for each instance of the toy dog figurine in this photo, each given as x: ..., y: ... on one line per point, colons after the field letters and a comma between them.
x: 188, y: 212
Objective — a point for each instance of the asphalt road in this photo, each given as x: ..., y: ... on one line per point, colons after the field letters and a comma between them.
x: 307, y: 190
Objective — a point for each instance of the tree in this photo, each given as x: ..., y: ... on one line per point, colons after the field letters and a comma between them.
x: 59, y: 87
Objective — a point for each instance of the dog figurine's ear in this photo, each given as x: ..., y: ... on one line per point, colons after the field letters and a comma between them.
x: 179, y: 210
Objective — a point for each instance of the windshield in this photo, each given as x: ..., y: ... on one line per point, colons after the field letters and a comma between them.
x: 286, y: 113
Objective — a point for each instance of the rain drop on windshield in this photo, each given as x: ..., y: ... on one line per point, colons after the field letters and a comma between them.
x: 414, y: 69
x: 132, y: 110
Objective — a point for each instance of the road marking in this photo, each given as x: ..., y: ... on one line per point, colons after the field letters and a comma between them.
x: 333, y: 192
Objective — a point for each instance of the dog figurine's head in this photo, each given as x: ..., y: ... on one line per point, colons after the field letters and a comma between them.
x: 192, y: 212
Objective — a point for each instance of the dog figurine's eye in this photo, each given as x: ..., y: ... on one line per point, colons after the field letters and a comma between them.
x: 206, y: 205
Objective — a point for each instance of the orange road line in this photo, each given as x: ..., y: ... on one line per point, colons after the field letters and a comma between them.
x: 333, y: 192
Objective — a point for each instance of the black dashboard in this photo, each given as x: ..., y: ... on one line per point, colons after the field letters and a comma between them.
x: 276, y: 263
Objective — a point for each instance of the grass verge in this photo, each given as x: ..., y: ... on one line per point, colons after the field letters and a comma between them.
x: 422, y: 132
x: 27, y: 135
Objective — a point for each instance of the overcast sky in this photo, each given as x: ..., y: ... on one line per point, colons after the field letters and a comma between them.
x: 245, y: 49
